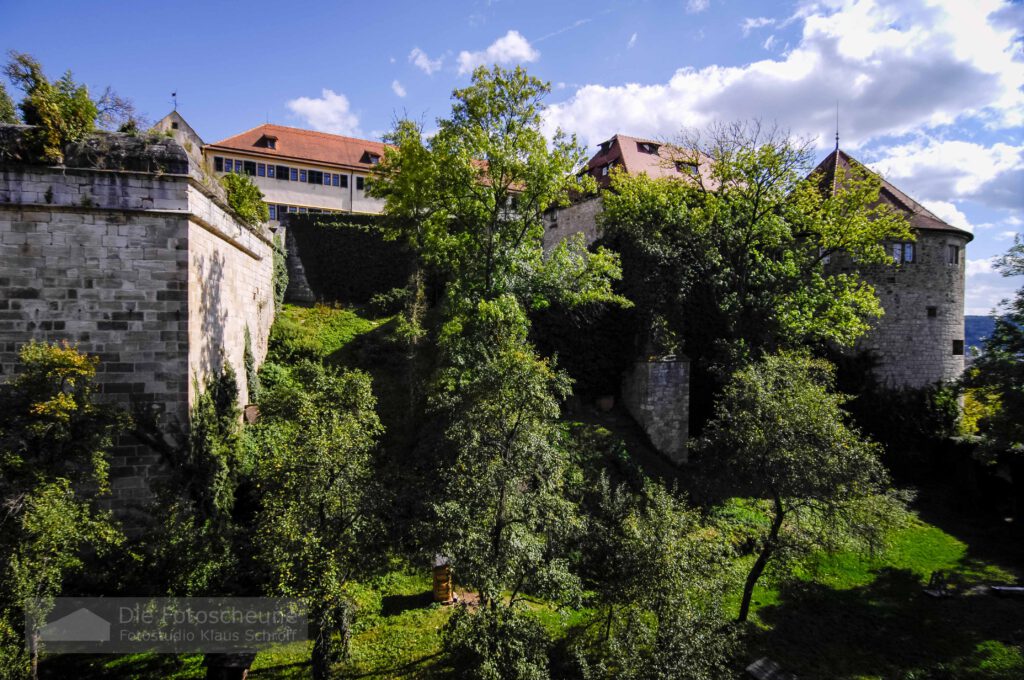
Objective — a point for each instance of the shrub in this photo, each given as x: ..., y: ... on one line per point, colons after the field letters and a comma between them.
x: 245, y: 199
x: 496, y: 644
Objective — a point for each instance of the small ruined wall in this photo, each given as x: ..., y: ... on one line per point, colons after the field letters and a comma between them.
x: 572, y: 219
x: 657, y: 395
x: 144, y: 267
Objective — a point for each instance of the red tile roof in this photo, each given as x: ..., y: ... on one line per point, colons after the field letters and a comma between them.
x: 305, y: 145
x: 839, y: 162
x: 625, y: 152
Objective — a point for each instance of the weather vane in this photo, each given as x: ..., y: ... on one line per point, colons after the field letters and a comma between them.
x: 174, y: 98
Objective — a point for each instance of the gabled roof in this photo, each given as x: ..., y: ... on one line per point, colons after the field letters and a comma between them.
x: 629, y: 154
x: 839, y: 163
x: 305, y: 145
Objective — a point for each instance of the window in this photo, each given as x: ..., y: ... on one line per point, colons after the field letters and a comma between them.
x: 292, y: 209
x: 249, y: 167
x: 360, y: 183
x: 647, y: 147
x: 293, y: 174
x: 316, y: 177
x: 228, y: 165
x: 282, y: 172
x: 687, y: 168
x: 826, y: 256
x: 958, y: 348
x: 218, y: 163
x: 902, y: 252
x: 261, y: 169
x: 326, y: 178
x: 933, y: 312
x: 302, y: 175
x: 302, y: 211
x: 344, y: 181
x: 174, y: 126
x: 953, y: 256
x: 273, y: 211
x: 270, y: 171
x: 604, y: 171
x: 334, y: 180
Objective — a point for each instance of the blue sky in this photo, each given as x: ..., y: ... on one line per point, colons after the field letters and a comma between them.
x: 929, y: 91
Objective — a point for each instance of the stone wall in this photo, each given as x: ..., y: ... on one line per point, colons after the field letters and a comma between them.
x: 146, y: 269
x: 657, y: 395
x: 572, y: 219
x: 923, y: 300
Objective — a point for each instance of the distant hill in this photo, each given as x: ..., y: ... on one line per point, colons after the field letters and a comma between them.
x: 976, y: 329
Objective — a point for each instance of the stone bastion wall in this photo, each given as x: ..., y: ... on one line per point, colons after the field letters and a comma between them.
x: 128, y: 252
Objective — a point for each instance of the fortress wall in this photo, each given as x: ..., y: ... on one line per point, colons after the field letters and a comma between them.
x: 117, y: 262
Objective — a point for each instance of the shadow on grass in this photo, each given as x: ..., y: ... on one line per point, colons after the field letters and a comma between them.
x: 888, y: 628
x: 423, y: 667
x: 392, y: 605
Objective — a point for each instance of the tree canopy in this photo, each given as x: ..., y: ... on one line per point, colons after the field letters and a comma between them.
x: 732, y: 261
x: 780, y: 434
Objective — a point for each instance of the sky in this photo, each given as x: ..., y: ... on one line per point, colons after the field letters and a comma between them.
x: 930, y: 93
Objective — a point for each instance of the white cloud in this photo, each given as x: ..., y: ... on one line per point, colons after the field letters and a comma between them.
x: 896, y: 69
x: 329, y: 113
x: 986, y: 289
x: 420, y: 60
x: 1014, y: 220
x: 397, y: 88
x: 632, y: 42
x: 942, y: 170
x: 950, y: 214
x: 982, y: 266
x: 769, y: 42
x: 509, y: 49
x: 750, y: 23
x: 696, y: 6
x: 1006, y: 235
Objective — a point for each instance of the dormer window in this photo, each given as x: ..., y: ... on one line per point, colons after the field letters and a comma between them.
x: 686, y: 168
x: 268, y: 142
x: 647, y: 147
x: 605, y: 146
x: 370, y: 157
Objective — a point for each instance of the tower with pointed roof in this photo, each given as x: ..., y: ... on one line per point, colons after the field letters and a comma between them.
x: 920, y: 339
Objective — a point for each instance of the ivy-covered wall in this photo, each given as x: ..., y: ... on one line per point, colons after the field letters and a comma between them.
x: 346, y: 258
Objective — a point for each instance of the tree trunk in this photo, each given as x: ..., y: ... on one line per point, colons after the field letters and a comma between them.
x: 321, y: 657
x: 761, y: 562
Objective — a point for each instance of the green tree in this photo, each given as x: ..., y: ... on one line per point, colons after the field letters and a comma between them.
x: 8, y: 114
x: 246, y: 199
x: 657, y: 579
x: 997, y: 375
x: 61, y: 111
x: 312, y: 453
x: 732, y: 260
x: 54, y: 440
x: 471, y: 200
x: 780, y: 434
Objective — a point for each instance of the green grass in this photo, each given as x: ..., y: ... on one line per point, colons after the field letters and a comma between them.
x: 317, y: 332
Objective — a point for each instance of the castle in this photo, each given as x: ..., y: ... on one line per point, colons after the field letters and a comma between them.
x: 130, y: 251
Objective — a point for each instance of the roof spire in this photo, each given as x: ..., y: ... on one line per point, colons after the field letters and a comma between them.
x: 837, y: 125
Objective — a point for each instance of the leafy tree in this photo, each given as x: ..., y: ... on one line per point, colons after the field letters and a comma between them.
x: 280, y: 272
x: 199, y: 546
x: 732, y: 260
x: 471, y: 200
x: 657, y: 580
x: 997, y: 376
x: 497, y: 644
x: 312, y: 451
x: 246, y: 199
x: 54, y: 441
x: 8, y: 114
x: 779, y: 434
x: 502, y: 509
x: 61, y: 111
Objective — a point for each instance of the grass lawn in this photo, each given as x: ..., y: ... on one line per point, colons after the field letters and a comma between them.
x: 856, y: 616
